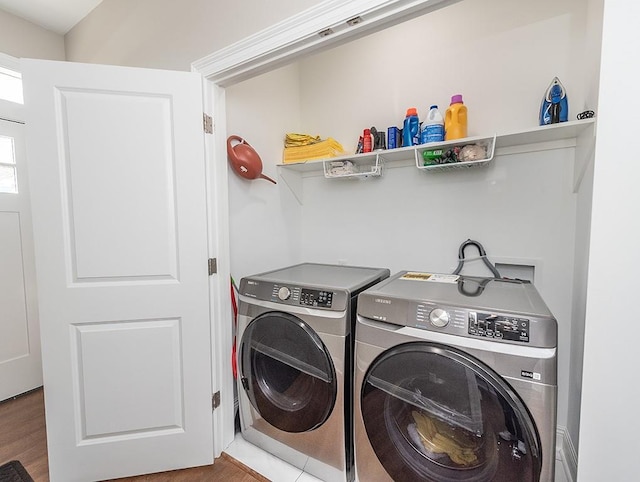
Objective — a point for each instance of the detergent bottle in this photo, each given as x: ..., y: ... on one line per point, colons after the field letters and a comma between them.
x: 411, y: 128
x: 432, y: 127
x: 455, y: 119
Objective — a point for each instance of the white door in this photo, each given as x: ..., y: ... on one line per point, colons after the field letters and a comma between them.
x: 20, y: 361
x: 117, y: 172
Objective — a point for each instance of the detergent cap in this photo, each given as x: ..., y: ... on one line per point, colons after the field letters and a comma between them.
x: 412, y: 111
x: 456, y: 99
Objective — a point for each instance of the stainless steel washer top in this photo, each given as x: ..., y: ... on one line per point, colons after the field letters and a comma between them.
x: 312, y: 285
x: 349, y: 278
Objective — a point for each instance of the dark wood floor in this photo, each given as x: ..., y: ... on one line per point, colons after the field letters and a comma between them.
x: 23, y: 437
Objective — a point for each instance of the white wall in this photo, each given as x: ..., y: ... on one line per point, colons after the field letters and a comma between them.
x: 576, y: 339
x: 583, y: 225
x: 168, y: 34
x: 20, y: 38
x: 265, y: 219
x: 609, y: 423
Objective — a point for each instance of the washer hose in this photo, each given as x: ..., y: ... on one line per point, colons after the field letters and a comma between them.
x: 483, y: 256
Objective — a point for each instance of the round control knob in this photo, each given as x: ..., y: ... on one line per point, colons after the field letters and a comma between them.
x: 284, y: 293
x: 439, y: 317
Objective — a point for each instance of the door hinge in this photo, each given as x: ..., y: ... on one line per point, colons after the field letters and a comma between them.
x: 208, y: 123
x: 215, y: 400
x: 213, y: 266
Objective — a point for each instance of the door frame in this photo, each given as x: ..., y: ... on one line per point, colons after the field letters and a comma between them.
x: 328, y: 24
x: 15, y: 112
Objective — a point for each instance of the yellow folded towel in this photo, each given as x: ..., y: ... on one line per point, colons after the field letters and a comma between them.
x: 318, y: 150
x: 295, y: 140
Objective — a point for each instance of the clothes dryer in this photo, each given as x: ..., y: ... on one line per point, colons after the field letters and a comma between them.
x: 455, y: 381
x: 295, y: 359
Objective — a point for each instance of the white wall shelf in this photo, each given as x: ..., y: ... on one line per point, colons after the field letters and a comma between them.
x: 550, y: 133
x: 579, y: 133
x: 536, y: 135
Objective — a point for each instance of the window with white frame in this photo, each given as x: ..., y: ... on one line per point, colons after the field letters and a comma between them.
x: 10, y: 85
x: 11, y: 91
x: 8, y: 180
x: 10, y: 79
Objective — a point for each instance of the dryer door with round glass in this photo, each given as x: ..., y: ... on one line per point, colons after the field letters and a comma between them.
x: 434, y: 413
x: 287, y: 372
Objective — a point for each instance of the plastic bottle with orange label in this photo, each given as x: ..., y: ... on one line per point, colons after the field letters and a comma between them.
x: 455, y: 119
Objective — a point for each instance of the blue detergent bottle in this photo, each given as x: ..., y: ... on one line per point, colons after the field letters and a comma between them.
x: 411, y: 128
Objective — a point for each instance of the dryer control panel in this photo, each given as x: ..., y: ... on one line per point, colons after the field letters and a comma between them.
x: 320, y: 298
x: 295, y: 295
x: 302, y: 296
x: 498, y: 327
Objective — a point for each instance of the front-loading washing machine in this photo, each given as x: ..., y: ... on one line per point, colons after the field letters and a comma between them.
x: 295, y: 360
x: 455, y: 380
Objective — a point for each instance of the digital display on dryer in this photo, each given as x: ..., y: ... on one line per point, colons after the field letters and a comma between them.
x: 320, y: 299
x: 499, y: 327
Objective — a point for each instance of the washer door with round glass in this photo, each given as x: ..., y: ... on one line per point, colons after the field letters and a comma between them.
x: 287, y: 372
x: 434, y: 413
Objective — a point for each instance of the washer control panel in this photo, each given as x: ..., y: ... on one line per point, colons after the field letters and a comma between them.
x: 431, y: 316
x: 499, y: 327
x: 284, y: 293
x: 461, y: 321
x: 297, y: 295
x: 439, y: 317
x: 319, y: 298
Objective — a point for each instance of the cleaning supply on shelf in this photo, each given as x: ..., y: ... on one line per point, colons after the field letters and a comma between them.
x: 378, y: 139
x: 455, y: 119
x: 411, y: 128
x: 432, y: 156
x: 555, y: 105
x: 432, y: 127
x: 367, y: 141
x: 472, y: 152
x: 394, y: 137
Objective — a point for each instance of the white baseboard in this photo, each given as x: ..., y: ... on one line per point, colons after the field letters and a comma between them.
x: 566, y: 455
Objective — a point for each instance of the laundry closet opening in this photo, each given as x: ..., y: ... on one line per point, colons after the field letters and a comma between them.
x: 529, y: 207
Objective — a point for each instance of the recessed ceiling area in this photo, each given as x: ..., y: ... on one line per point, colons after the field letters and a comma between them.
x: 59, y: 16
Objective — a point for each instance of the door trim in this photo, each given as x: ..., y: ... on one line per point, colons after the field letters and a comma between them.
x: 328, y: 24
x: 220, y: 308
